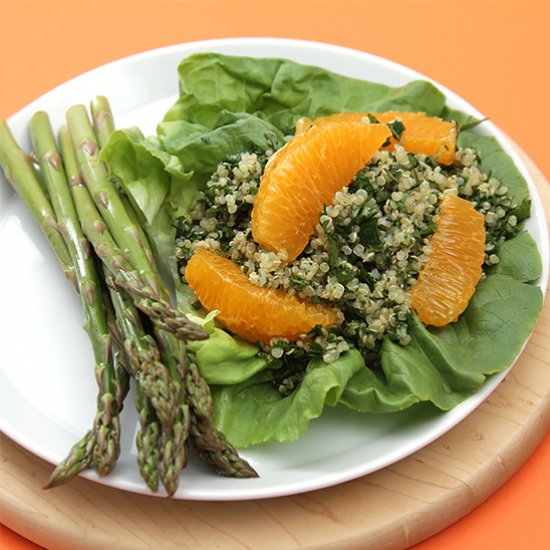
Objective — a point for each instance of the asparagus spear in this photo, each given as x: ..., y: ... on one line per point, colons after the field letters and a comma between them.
x: 123, y: 230
x: 152, y: 374
x: 174, y: 434
x: 106, y: 423
x: 169, y: 456
x: 211, y: 445
x: 17, y: 166
x: 148, y: 437
x: 174, y: 441
x: 148, y: 441
x: 79, y: 458
x: 104, y: 126
x: 160, y: 451
x: 161, y: 445
x: 15, y: 162
x: 103, y: 120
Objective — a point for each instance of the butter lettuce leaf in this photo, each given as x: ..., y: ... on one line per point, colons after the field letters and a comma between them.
x: 280, y: 91
x: 496, y: 162
x: 519, y: 258
x: 228, y: 105
x: 254, y: 411
x: 154, y: 181
x: 444, y: 366
x: 224, y: 359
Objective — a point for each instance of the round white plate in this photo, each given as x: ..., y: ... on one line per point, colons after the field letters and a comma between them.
x: 47, y: 386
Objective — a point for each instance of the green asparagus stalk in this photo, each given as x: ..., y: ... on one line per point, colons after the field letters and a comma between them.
x: 17, y: 166
x: 161, y: 446
x: 145, y: 366
x: 174, y: 441
x: 102, y: 118
x: 107, y: 422
x: 104, y: 126
x: 211, y: 445
x: 148, y: 441
x: 121, y: 263
x: 78, y: 459
x: 122, y: 373
x: 148, y: 436
x: 104, y: 193
x: 80, y: 456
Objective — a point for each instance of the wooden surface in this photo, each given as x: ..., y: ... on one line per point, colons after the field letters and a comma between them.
x: 393, y: 508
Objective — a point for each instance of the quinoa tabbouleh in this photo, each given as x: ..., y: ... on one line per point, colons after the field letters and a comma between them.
x: 366, y: 251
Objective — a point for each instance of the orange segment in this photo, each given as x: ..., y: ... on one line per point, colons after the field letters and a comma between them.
x: 304, y: 176
x: 252, y: 312
x: 423, y: 134
x: 449, y: 278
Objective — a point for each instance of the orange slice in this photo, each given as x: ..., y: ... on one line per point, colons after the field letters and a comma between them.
x: 423, y: 134
x: 304, y: 176
x: 448, y: 279
x: 252, y: 312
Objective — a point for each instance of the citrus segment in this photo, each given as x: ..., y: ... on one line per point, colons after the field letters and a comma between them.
x: 252, y: 312
x: 448, y: 280
x: 304, y: 176
x: 423, y: 134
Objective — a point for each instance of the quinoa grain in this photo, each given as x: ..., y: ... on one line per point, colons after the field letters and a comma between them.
x: 366, y: 251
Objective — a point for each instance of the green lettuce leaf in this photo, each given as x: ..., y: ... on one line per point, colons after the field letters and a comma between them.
x: 155, y: 182
x: 254, y: 412
x: 444, y: 366
x: 280, y: 91
x: 224, y: 359
x: 496, y: 162
x: 201, y: 148
x: 519, y: 258
x: 234, y: 104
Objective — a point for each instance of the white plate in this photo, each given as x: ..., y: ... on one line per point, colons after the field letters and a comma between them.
x: 47, y: 387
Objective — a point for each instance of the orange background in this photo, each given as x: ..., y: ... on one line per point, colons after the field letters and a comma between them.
x: 493, y: 53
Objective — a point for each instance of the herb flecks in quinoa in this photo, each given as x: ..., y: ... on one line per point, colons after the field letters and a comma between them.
x: 222, y: 208
x: 365, y: 253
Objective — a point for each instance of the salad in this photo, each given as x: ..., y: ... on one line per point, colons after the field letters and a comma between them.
x: 219, y: 141
x: 192, y: 187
